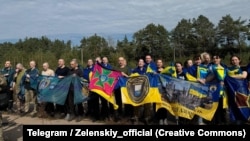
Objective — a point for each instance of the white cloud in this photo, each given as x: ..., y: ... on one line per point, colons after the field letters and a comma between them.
x: 35, y: 18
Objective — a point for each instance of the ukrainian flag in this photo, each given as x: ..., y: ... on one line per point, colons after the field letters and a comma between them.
x: 186, y: 99
x: 170, y: 70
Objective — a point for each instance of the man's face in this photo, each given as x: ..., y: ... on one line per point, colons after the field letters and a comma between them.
x: 7, y: 64
x: 105, y: 60
x: 90, y: 62
x: 207, y: 59
x: 60, y: 62
x: 45, y: 66
x: 18, y: 68
x: 148, y: 59
x: 121, y: 61
x: 73, y: 65
x: 32, y: 64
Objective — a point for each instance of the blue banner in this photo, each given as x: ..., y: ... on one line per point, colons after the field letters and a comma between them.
x: 55, y: 90
x: 238, y: 99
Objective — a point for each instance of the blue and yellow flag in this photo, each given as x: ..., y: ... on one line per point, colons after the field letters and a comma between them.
x: 140, y: 89
x: 186, y: 99
x: 238, y: 99
x: 170, y: 70
x: 55, y: 90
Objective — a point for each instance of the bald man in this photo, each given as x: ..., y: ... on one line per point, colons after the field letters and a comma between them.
x: 9, y: 72
x: 30, y: 92
x: 61, y: 71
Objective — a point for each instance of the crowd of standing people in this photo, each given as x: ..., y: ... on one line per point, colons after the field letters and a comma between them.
x: 202, y: 68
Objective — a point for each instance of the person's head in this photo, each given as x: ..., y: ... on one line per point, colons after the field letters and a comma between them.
x: 216, y: 59
x: 19, y: 67
x: 188, y: 63
x: 7, y: 64
x: 148, y: 59
x: 159, y: 63
x: 141, y: 63
x: 45, y: 66
x: 197, y: 60
x: 98, y: 59
x: 32, y: 64
x: 90, y: 63
x: 178, y: 66
x: 61, y: 62
x: 235, y: 60
x: 121, y: 61
x: 205, y: 58
x: 73, y: 64
x: 105, y: 60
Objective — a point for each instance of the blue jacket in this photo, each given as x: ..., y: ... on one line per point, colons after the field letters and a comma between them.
x: 9, y: 75
x: 86, y: 72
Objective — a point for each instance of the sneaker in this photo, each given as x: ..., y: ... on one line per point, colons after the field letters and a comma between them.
x: 67, y: 117
x: 201, y: 123
x: 165, y: 122
x: 161, y: 122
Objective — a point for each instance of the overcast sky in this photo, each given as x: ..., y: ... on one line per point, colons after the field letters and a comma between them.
x: 35, y: 18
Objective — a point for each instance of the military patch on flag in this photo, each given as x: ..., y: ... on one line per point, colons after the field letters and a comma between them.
x: 138, y: 88
x: 103, y: 79
x: 103, y: 82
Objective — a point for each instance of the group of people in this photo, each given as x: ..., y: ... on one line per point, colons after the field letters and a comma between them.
x: 202, y: 68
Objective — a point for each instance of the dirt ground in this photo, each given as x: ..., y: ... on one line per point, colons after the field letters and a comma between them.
x: 12, y: 124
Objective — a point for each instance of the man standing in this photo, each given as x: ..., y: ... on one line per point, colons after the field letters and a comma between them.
x: 61, y: 72
x: 128, y: 109
x: 71, y: 112
x: 9, y: 72
x: 18, y: 86
x: 93, y: 102
x: 106, y: 109
x: 30, y: 79
x: 150, y: 65
x: 47, y: 107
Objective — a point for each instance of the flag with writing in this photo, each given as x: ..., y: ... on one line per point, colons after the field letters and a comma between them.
x: 185, y: 99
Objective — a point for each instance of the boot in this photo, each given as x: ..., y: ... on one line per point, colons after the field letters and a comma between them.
x: 10, y: 107
x: 41, y: 111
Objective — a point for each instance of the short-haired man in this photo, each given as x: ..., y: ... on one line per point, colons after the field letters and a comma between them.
x: 29, y: 79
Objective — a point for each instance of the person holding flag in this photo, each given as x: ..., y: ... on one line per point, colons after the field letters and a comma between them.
x: 72, y: 108
x: 149, y: 64
x: 30, y: 83
x: 218, y: 76
x: 198, y: 73
x: 238, y: 92
x: 141, y: 70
